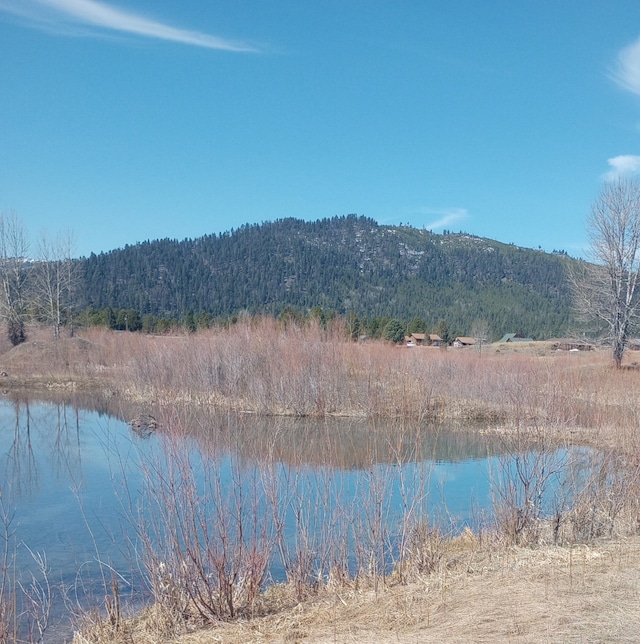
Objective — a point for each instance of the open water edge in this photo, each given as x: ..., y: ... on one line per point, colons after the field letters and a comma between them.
x: 79, y: 486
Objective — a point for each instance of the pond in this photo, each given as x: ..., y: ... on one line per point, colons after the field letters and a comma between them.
x: 273, y: 498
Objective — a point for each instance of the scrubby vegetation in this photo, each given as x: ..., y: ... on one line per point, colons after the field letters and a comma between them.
x: 537, y: 402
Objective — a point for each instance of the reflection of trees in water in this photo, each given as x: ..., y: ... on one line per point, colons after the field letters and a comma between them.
x: 40, y: 433
x: 344, y: 443
x: 335, y: 442
x: 67, y: 448
x: 21, y: 470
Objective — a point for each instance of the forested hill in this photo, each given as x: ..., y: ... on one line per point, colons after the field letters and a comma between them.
x: 345, y: 264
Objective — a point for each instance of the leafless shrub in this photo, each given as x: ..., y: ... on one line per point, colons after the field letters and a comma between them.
x: 206, y: 544
x: 25, y: 601
x: 37, y: 597
x: 8, y: 607
x: 258, y: 365
x: 314, y: 551
x: 427, y: 547
x: 524, y: 486
x: 606, y: 502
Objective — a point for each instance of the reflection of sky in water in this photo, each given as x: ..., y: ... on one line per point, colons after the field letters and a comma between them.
x: 64, y: 473
x: 58, y: 473
x: 61, y: 467
x: 463, y: 487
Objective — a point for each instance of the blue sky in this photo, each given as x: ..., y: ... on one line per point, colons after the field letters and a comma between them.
x: 144, y: 119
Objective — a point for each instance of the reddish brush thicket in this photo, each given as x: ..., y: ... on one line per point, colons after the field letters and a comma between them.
x: 261, y: 366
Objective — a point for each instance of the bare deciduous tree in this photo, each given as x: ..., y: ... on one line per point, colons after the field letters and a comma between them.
x: 14, y: 250
x: 481, y: 331
x: 606, y: 288
x: 55, y: 279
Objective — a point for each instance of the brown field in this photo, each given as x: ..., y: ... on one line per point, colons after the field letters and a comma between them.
x: 577, y: 581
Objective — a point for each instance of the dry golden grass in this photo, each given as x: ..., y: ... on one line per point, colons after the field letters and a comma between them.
x: 479, y: 594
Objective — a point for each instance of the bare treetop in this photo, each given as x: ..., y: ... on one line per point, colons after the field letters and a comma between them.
x: 606, y: 292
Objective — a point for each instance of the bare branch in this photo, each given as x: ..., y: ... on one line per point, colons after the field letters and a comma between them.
x: 606, y: 290
x: 14, y: 287
x: 55, y: 279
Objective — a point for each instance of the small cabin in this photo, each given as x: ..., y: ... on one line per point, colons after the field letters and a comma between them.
x: 462, y: 341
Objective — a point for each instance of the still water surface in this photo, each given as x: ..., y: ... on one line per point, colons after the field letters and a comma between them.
x: 72, y: 477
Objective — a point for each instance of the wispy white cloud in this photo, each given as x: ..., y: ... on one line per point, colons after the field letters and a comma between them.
x: 627, y: 69
x: 623, y: 165
x: 444, y: 216
x: 61, y: 15
x: 626, y: 74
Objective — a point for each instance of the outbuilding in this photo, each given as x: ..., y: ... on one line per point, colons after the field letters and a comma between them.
x: 463, y: 341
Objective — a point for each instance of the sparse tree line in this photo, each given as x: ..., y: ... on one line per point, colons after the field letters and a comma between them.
x: 36, y: 286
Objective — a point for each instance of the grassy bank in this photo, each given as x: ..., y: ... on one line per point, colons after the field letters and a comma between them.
x: 549, y: 594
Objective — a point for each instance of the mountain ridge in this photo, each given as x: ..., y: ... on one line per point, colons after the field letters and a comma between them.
x: 347, y: 264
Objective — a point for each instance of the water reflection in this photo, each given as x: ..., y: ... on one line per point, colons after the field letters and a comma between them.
x: 343, y: 443
x: 74, y: 474
x: 21, y: 466
x: 31, y: 432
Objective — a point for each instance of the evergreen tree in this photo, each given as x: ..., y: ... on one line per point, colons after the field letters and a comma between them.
x: 417, y: 325
x: 394, y: 331
x: 442, y: 329
x: 190, y: 322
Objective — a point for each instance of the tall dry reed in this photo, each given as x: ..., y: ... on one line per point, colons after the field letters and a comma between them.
x: 260, y: 366
x: 25, y: 597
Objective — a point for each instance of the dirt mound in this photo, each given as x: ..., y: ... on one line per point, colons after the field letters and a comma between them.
x: 47, y: 357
